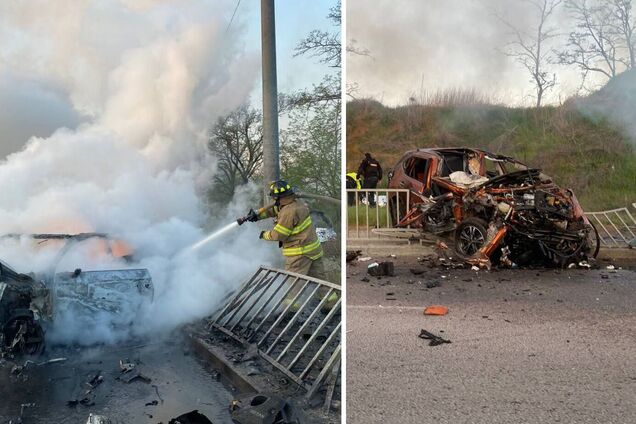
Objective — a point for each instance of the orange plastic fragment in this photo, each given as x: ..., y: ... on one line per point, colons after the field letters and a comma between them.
x: 436, y: 310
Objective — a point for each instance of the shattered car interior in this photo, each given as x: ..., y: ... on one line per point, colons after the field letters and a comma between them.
x: 31, y: 303
x: 498, y: 210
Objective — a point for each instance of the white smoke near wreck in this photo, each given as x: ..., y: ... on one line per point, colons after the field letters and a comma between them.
x: 148, y: 77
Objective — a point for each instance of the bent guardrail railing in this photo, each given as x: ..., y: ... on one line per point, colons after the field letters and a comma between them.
x: 616, y: 227
x: 294, y: 322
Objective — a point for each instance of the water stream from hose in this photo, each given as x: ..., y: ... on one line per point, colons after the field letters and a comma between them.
x: 198, y: 245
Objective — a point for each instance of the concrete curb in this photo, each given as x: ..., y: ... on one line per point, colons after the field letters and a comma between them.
x: 401, y: 249
x: 217, y: 359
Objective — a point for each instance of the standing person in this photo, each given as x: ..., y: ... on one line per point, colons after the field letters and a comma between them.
x: 371, y: 173
x: 352, y: 182
x: 293, y: 230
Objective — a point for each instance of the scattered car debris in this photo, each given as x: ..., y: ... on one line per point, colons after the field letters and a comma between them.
x: 500, y: 211
x: 435, y: 310
x: 130, y: 372
x: 353, y: 255
x: 364, y: 259
x: 380, y: 269
x: 98, y: 419
x: 417, y: 271
x: 433, y: 284
x: 192, y: 417
x: 263, y: 409
x: 154, y: 386
x: 24, y: 406
x: 84, y: 394
x: 434, y: 340
x: 96, y: 380
x: 125, y: 365
x: 134, y: 375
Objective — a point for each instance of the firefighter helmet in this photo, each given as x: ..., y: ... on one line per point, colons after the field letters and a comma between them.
x: 280, y: 188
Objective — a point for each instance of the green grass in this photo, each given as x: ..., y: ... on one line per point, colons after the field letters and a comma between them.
x: 377, y: 217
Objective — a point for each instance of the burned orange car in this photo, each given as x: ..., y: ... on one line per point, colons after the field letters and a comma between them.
x: 499, y: 210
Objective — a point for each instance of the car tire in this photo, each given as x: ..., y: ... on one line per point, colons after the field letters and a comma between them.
x: 470, y: 236
x: 595, y: 241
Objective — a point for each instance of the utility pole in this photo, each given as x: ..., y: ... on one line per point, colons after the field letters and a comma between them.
x: 271, y: 152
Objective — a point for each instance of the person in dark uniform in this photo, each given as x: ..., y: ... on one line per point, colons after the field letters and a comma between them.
x: 371, y: 173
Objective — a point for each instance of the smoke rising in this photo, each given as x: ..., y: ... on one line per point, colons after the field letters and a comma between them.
x: 146, y: 78
x: 419, y: 47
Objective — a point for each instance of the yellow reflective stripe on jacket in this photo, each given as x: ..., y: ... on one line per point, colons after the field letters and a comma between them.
x: 318, y: 256
x: 266, y: 236
x: 302, y: 226
x: 295, y: 251
x: 282, y: 230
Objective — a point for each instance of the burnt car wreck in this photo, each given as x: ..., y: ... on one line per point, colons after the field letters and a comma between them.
x: 498, y: 210
x: 32, y: 303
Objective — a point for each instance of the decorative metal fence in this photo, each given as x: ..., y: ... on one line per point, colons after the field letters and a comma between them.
x: 294, y: 322
x: 371, y: 212
x: 616, y: 227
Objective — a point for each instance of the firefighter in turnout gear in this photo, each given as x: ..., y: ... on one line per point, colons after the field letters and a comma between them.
x: 293, y: 230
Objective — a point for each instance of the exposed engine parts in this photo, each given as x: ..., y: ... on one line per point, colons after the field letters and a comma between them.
x: 518, y: 218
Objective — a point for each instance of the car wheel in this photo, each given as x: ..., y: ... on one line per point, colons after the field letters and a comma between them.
x: 594, y: 241
x: 470, y: 236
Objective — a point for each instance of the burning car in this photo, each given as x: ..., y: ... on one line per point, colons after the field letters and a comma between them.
x: 31, y: 303
x: 498, y: 209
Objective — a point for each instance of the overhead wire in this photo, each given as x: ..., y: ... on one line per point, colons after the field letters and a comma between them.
x: 238, y: 3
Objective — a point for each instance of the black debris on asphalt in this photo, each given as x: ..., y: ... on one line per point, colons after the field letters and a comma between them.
x: 434, y: 339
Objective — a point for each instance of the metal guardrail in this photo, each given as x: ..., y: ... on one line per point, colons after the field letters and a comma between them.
x: 375, y: 222
x: 616, y: 227
x: 294, y: 322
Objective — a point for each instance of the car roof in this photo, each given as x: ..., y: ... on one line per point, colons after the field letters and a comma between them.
x: 438, y: 150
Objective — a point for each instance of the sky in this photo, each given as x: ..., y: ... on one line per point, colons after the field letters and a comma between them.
x: 36, y: 102
x: 419, y: 46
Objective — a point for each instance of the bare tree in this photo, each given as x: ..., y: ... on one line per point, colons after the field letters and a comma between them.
x: 592, y: 46
x: 237, y: 141
x: 603, y: 39
x: 326, y: 48
x: 623, y: 24
x: 324, y: 45
x: 530, y: 50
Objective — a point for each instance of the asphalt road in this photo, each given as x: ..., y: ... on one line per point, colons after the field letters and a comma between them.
x: 528, y: 346
x: 179, y: 383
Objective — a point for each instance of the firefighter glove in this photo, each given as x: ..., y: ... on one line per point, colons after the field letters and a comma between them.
x: 262, y: 235
x: 252, y: 216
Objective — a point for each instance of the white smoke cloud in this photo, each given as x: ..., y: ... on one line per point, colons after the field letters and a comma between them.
x: 149, y: 76
x: 418, y: 47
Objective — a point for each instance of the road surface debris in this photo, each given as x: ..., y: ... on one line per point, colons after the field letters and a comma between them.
x: 434, y: 340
